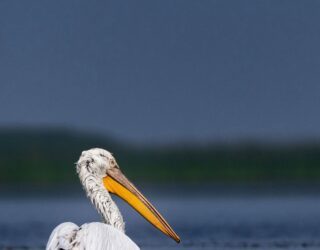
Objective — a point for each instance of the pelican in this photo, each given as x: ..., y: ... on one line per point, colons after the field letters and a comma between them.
x: 100, y: 175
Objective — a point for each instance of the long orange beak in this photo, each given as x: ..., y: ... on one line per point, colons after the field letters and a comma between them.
x: 115, y: 182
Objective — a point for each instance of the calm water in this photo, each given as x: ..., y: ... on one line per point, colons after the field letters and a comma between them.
x: 205, y: 219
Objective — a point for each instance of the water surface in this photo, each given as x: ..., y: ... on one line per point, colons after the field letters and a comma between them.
x: 208, y: 219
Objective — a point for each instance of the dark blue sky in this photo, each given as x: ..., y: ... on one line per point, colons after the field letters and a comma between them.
x: 163, y: 70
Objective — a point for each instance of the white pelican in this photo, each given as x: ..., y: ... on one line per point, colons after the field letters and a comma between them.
x: 100, y: 175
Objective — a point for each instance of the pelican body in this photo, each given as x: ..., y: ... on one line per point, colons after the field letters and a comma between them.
x: 100, y: 176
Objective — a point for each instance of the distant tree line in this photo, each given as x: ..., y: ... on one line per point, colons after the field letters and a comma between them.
x: 49, y: 155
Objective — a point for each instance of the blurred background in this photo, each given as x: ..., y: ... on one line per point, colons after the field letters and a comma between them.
x: 211, y: 107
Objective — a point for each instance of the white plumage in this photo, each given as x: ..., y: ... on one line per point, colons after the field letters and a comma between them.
x: 100, y: 174
x: 89, y: 236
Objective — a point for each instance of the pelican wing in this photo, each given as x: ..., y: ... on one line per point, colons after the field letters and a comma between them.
x: 91, y: 236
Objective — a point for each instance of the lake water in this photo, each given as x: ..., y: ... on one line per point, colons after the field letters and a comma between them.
x: 205, y: 218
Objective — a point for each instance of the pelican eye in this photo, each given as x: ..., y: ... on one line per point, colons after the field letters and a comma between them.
x: 113, y: 163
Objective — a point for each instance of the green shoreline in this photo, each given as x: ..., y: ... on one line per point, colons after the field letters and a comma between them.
x: 48, y: 156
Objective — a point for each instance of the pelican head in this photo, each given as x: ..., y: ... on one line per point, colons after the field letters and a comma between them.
x: 100, y: 175
x: 96, y: 161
